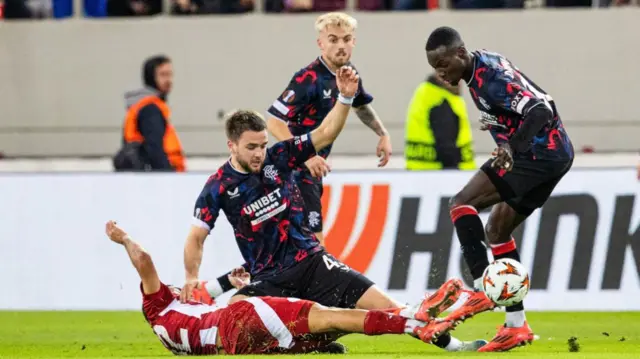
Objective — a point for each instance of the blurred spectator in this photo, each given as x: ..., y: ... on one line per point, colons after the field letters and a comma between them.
x: 324, y: 5
x: 568, y: 3
x: 134, y: 7
x: 150, y: 142
x: 189, y: 7
x: 95, y: 8
x: 40, y: 9
x: 438, y: 132
x: 410, y: 5
x: 16, y: 9
x: 489, y: 4
x: 28, y: 9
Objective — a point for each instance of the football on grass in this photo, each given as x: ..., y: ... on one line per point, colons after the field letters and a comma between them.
x: 505, y: 282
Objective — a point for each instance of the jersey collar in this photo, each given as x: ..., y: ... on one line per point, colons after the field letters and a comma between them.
x: 475, y: 59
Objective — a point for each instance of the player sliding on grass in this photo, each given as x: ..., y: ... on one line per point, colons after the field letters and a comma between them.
x: 256, y: 325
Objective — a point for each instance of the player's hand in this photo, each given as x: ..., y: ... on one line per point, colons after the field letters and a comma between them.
x: 484, y: 127
x: 503, y: 157
x: 347, y: 81
x: 187, y: 289
x: 383, y: 151
x: 318, y: 166
x: 115, y: 233
x: 239, y: 278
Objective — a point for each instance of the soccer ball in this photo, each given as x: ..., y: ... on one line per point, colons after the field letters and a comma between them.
x: 505, y: 282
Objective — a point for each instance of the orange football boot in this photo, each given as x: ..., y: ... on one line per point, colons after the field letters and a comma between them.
x: 433, y: 329
x: 477, y: 303
x: 508, y: 338
x: 202, y: 295
x: 446, y: 296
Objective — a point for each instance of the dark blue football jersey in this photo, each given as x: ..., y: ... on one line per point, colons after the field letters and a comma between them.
x: 504, y: 95
x: 265, y: 209
x: 308, y: 98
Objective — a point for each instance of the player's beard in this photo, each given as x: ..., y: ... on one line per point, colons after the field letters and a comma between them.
x: 247, y: 167
x: 340, y: 59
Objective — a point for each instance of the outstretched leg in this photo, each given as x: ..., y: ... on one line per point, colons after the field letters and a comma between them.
x: 323, y: 319
x: 140, y: 259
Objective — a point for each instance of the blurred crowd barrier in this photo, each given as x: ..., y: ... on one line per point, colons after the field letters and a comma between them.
x: 64, y: 9
x: 63, y: 81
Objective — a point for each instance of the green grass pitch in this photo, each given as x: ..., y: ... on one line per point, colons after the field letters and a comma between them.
x: 126, y: 335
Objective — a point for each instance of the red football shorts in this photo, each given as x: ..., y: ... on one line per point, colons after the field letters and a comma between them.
x: 257, y: 325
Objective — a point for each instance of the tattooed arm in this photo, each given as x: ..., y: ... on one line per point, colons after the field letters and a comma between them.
x: 370, y: 118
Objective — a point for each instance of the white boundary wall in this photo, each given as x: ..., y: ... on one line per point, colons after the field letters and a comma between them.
x: 582, y: 248
x: 340, y: 163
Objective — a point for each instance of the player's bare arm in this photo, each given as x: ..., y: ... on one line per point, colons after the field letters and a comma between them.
x: 370, y: 118
x: 328, y: 131
x: 193, y: 249
x: 278, y: 128
x: 140, y: 259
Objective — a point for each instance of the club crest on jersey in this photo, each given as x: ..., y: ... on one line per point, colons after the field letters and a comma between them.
x: 265, y: 207
x: 270, y: 172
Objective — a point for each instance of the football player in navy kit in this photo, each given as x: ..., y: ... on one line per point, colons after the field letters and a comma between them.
x: 309, y: 97
x: 257, y: 191
x: 534, y: 153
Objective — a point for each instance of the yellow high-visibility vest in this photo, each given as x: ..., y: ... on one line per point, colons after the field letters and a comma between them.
x: 420, y: 152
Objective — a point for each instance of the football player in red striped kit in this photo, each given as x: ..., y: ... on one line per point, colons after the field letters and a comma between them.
x: 256, y: 325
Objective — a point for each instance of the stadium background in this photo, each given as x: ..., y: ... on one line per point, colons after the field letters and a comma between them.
x: 62, y: 109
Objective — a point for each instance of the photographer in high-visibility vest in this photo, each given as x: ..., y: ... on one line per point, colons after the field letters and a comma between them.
x: 150, y: 142
x: 438, y: 132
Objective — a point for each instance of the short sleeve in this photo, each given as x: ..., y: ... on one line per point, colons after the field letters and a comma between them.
x: 153, y: 304
x: 207, y: 207
x: 295, y: 97
x: 363, y: 97
x: 514, y: 95
x: 292, y: 153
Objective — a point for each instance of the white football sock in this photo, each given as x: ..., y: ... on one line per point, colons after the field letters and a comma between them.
x: 477, y: 284
x: 515, y: 319
x: 411, y: 325
x: 214, y: 288
x: 454, y: 345
x: 409, y: 312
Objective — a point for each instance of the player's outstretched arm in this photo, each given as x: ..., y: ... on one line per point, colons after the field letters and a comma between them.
x: 332, y: 125
x: 193, y: 249
x: 140, y: 259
